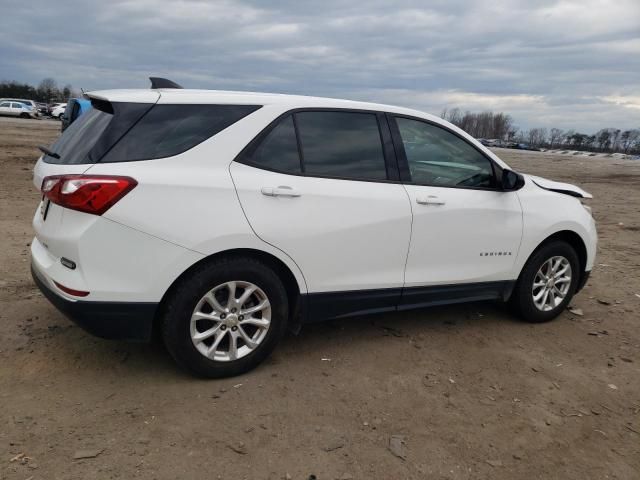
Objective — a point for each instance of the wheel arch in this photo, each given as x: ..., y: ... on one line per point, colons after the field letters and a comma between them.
x: 291, y: 284
x: 576, y: 242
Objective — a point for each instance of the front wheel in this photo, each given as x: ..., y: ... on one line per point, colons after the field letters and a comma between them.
x: 547, y: 282
x: 226, y: 317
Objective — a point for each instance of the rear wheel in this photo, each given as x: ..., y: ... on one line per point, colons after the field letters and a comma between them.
x: 226, y: 317
x: 547, y: 282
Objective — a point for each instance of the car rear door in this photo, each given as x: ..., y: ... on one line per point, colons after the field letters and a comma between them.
x: 16, y: 108
x: 5, y: 108
x: 466, y: 230
x: 322, y: 187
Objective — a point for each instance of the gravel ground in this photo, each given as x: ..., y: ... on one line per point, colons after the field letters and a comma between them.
x: 464, y: 392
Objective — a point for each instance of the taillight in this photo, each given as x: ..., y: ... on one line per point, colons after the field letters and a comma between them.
x: 93, y: 194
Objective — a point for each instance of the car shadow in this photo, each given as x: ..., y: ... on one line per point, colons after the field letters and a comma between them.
x: 137, y: 361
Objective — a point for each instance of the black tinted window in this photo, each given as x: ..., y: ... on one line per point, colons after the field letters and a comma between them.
x: 141, y: 131
x: 278, y: 150
x: 168, y: 130
x: 79, y: 138
x: 440, y: 158
x: 341, y: 144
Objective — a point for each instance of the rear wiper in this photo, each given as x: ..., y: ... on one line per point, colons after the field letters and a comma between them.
x: 46, y: 151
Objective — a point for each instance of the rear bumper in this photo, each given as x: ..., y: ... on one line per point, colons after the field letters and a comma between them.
x: 112, y: 320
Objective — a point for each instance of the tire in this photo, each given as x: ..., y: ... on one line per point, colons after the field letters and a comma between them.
x: 215, y: 278
x: 25, y: 115
x: 522, y: 299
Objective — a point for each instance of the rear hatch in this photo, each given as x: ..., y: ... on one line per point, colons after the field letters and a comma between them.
x: 76, y: 151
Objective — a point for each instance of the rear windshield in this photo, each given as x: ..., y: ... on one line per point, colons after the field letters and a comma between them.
x: 125, y: 132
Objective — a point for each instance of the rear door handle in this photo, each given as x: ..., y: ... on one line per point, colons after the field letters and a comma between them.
x: 430, y: 200
x: 281, y: 191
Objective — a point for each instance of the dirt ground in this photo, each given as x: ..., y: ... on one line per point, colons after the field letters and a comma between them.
x: 473, y: 392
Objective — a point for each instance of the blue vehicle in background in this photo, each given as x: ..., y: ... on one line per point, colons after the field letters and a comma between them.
x: 75, y: 108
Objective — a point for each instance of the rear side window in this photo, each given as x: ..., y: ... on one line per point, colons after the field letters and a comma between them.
x: 168, y: 130
x: 341, y: 144
x: 124, y: 132
x: 278, y: 150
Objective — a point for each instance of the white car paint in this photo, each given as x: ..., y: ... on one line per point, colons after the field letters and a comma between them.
x: 16, y: 109
x: 338, y: 235
x: 58, y: 110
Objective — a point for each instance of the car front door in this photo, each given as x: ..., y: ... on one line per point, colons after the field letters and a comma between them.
x: 322, y: 186
x: 466, y: 230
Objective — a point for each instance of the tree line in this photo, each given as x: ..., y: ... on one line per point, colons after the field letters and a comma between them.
x: 500, y: 126
x: 47, y: 91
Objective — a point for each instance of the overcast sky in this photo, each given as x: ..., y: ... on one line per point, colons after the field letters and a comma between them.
x: 566, y: 63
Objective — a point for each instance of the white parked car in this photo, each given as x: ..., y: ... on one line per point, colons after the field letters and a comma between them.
x: 58, y: 110
x: 28, y: 103
x: 224, y: 218
x: 17, y: 109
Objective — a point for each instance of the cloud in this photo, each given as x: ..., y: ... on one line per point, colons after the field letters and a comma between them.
x: 565, y: 63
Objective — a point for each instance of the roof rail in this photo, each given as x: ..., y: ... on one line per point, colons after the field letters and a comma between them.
x: 159, y: 82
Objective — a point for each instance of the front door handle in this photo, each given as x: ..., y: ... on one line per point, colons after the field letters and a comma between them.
x: 281, y: 191
x: 430, y: 200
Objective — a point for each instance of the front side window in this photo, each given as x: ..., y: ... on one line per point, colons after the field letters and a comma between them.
x: 278, y: 150
x: 341, y: 144
x: 439, y: 158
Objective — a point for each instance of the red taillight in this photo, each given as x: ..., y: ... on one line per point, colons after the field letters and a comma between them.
x: 71, y: 291
x: 93, y: 194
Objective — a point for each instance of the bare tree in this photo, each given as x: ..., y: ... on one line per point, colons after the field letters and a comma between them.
x: 48, y: 90
x: 555, y: 136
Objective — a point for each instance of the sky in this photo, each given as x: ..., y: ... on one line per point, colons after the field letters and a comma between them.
x: 548, y: 63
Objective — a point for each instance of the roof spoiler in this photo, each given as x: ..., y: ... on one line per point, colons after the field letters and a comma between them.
x: 158, y: 82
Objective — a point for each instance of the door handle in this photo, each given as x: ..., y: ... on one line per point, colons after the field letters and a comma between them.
x: 430, y: 200
x: 281, y: 191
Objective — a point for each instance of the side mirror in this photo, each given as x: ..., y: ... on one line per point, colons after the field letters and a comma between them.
x: 511, y: 180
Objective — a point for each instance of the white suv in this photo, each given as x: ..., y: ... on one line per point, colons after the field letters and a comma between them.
x: 222, y: 218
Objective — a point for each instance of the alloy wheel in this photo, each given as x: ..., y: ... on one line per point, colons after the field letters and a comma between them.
x: 551, y: 284
x: 230, y: 321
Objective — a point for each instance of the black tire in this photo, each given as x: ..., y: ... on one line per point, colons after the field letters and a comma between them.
x: 24, y: 115
x: 522, y: 299
x: 177, y: 311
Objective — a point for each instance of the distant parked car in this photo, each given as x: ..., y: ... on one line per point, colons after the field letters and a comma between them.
x: 75, y: 107
x: 43, y: 108
x: 17, y: 109
x: 51, y: 106
x: 58, y: 110
x: 23, y: 101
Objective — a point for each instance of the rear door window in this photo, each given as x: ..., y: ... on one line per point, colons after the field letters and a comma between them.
x: 278, y: 150
x: 341, y: 145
